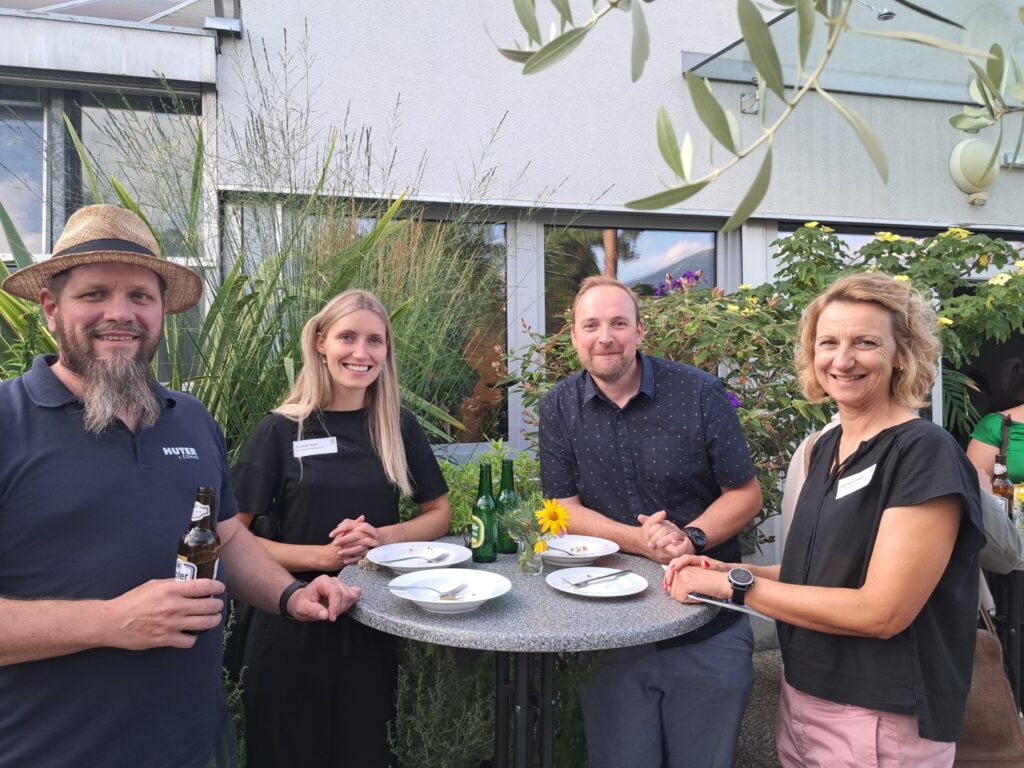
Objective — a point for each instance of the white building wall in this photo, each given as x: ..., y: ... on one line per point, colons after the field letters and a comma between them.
x: 581, y: 135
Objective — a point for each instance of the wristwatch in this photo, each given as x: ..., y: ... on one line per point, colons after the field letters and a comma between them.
x: 741, y: 580
x: 282, y: 602
x: 698, y: 538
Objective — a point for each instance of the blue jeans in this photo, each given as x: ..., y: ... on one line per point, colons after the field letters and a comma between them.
x: 676, y: 708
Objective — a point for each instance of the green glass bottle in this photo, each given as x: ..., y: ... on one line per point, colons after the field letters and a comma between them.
x: 485, y: 520
x: 506, y: 501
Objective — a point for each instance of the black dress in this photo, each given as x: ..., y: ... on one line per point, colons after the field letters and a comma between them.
x: 320, y: 694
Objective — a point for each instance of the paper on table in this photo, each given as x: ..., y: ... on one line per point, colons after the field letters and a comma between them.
x: 727, y: 604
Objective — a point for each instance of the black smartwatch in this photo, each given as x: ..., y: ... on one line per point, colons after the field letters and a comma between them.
x: 698, y: 538
x: 282, y: 602
x: 741, y: 580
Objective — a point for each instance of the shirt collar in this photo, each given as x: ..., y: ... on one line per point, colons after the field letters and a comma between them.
x: 47, y: 391
x: 590, y: 389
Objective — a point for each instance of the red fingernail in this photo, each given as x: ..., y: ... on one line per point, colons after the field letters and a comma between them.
x: 705, y: 563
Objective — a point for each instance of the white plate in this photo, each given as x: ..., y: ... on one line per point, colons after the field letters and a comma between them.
x: 626, y: 584
x: 585, y: 549
x: 416, y: 549
x: 482, y: 586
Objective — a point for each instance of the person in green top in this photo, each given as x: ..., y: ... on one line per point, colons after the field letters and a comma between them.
x: 988, y: 437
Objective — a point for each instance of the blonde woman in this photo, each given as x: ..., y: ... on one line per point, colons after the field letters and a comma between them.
x: 328, y: 466
x: 877, y: 595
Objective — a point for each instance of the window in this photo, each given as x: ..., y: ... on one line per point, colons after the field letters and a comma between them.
x: 638, y: 257
x: 21, y: 164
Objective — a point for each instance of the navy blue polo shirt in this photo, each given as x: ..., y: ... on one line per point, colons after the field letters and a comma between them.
x: 85, y: 516
x: 673, y: 446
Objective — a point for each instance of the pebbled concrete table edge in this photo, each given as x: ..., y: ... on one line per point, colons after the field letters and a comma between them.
x: 532, y: 616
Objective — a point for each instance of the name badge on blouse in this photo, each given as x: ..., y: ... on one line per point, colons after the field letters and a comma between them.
x: 314, y: 447
x: 848, y: 485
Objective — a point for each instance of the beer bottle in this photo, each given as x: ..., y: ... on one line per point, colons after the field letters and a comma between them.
x: 485, y: 523
x: 1002, y: 488
x: 199, y: 548
x: 506, y: 502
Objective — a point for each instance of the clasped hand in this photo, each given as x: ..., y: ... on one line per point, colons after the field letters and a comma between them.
x: 662, y: 539
x: 696, y: 573
x: 350, y: 541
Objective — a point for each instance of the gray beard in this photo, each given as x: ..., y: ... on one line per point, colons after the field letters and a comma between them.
x: 115, y: 386
x: 112, y: 386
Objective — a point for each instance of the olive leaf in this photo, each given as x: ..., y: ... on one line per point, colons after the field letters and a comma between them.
x: 762, y: 50
x: 527, y: 13
x: 993, y: 91
x: 22, y: 255
x: 686, y: 155
x: 996, y: 66
x: 805, y: 20
x: 641, y: 43
x: 666, y: 198
x: 922, y: 39
x: 754, y: 195
x: 864, y: 132
x: 564, y: 11
x: 555, y: 50
x: 971, y: 123
x: 710, y: 111
x: 518, y: 56
x: 667, y: 143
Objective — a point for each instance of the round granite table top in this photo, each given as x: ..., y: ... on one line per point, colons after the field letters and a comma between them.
x: 532, y: 616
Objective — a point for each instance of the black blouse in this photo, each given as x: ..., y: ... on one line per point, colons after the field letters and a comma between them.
x: 926, y: 669
x: 310, y: 496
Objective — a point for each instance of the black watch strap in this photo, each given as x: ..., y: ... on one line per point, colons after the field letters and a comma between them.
x: 291, y: 589
x: 697, y: 537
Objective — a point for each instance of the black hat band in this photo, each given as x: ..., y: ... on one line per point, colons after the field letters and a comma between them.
x: 112, y: 244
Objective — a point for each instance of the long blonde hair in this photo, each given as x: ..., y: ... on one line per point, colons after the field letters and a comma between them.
x: 314, y: 387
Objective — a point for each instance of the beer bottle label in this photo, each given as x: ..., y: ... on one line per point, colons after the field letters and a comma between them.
x: 184, y: 570
x: 1005, y: 504
x: 199, y: 511
x: 999, y: 469
x: 478, y: 532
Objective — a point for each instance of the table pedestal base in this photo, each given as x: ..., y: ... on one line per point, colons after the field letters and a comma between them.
x: 525, y: 708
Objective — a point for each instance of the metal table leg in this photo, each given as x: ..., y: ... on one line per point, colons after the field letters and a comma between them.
x: 547, y: 710
x: 502, y: 708
x: 522, y: 711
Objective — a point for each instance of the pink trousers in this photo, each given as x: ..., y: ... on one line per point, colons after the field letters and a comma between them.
x: 814, y: 733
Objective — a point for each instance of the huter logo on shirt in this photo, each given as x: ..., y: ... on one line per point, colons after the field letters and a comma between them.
x: 182, y: 453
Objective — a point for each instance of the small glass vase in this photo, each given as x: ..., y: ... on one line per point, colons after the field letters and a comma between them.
x: 530, y: 562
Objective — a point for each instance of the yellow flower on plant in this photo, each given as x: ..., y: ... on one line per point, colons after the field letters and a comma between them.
x: 1001, y: 279
x: 811, y: 225
x: 750, y: 301
x: 827, y: 230
x: 1019, y: 264
x: 956, y: 232
x: 945, y: 321
x: 553, y: 518
x: 746, y: 287
x: 983, y: 260
x: 901, y: 278
x: 747, y: 312
x: 732, y: 308
x: 540, y: 546
x: 888, y: 237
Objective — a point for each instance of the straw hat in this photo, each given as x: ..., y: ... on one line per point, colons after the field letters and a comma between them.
x: 104, y: 234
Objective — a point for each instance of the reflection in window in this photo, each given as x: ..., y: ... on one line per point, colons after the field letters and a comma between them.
x: 442, y: 281
x: 149, y: 146
x: 21, y: 171
x: 641, y: 258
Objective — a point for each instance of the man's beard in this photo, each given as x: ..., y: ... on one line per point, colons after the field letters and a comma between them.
x: 116, y: 385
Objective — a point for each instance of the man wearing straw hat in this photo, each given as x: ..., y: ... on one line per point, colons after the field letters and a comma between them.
x: 106, y: 659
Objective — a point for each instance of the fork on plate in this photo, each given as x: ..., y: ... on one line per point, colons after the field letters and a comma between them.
x: 448, y: 594
x: 431, y: 559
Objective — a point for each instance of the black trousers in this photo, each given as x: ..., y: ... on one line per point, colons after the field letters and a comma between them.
x: 318, y: 694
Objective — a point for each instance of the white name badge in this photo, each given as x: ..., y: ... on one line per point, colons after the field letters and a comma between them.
x: 314, y: 447
x: 848, y: 485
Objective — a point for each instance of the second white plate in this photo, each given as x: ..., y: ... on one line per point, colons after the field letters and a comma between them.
x: 584, y: 550
x: 412, y: 556
x: 620, y: 586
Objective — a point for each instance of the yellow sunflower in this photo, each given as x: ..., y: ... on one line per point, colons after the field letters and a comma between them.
x: 540, y: 546
x: 553, y: 518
